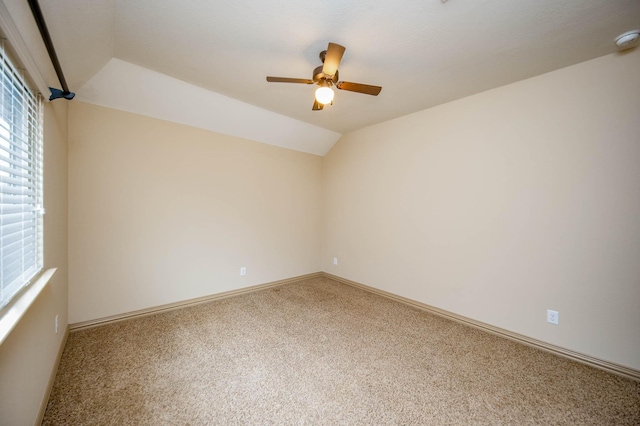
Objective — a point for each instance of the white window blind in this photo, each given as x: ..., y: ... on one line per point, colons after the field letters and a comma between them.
x: 20, y: 180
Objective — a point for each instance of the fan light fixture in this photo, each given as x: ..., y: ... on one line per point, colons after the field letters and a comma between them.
x: 326, y: 76
x: 324, y: 95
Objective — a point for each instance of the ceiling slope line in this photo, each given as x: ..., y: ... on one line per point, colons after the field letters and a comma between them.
x: 150, y: 93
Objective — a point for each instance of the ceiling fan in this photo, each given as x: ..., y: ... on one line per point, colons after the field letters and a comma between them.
x: 326, y: 76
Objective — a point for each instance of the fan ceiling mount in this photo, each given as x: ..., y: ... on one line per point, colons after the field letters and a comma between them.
x: 325, y: 76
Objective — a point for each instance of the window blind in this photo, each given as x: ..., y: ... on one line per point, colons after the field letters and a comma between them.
x: 20, y: 180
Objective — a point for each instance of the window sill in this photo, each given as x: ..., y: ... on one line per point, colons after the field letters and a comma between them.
x: 17, y: 308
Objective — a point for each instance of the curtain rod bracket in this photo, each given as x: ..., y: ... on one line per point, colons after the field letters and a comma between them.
x: 57, y: 94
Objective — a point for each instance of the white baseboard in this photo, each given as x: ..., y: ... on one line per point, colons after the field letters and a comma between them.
x: 185, y: 303
x: 611, y: 367
x: 52, y: 379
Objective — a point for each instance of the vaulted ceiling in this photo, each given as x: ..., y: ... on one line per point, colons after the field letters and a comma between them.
x: 422, y: 52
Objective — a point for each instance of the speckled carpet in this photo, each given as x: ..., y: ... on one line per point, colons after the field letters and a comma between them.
x: 321, y: 352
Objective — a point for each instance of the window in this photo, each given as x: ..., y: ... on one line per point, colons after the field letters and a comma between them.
x: 20, y: 180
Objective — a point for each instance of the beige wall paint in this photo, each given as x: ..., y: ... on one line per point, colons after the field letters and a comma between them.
x: 161, y: 212
x: 28, y: 355
x: 502, y: 205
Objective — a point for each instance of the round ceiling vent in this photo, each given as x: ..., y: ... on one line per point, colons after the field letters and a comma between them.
x: 628, y: 39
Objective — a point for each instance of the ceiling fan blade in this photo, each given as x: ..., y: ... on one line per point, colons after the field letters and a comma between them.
x: 317, y: 106
x: 289, y: 80
x: 332, y: 59
x: 360, y: 88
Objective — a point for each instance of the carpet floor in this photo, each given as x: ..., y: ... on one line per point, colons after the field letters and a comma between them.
x: 321, y: 352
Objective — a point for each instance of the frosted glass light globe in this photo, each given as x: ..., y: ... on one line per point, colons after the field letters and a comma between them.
x: 324, y: 95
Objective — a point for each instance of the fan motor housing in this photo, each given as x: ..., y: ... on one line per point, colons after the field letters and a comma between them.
x: 318, y: 75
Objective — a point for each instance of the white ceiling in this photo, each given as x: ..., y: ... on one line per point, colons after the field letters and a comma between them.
x: 422, y: 52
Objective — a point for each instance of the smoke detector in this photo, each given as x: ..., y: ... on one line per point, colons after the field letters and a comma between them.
x: 628, y: 39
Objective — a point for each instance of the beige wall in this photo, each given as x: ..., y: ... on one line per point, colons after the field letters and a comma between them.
x: 497, y: 207
x: 502, y: 205
x: 161, y: 212
x: 28, y: 355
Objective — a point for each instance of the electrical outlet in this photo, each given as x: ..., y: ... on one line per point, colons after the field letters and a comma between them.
x: 552, y: 317
x: 56, y: 324
x: 335, y: 261
x: 243, y: 271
